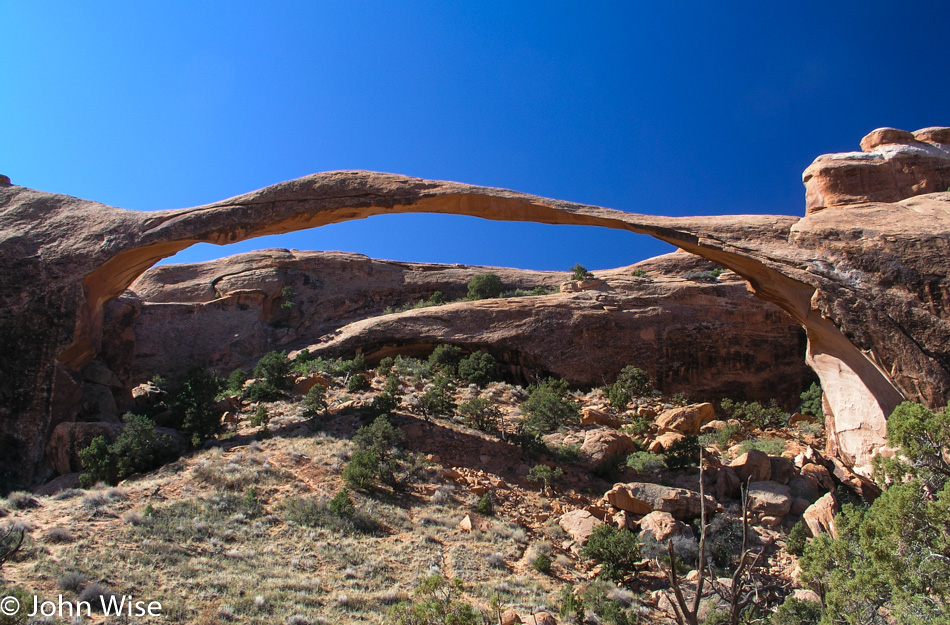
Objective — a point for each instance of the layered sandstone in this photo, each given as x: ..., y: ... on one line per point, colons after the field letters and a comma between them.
x: 230, y: 312
x: 866, y: 276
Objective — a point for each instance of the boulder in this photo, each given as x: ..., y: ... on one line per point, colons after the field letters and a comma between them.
x: 98, y: 399
x: 781, y: 469
x: 642, y: 498
x: 98, y: 373
x: 820, y: 516
x: 544, y: 618
x: 799, y: 505
x: 603, y: 444
x: 624, y: 520
x: 68, y: 439
x: 579, y: 525
x: 818, y: 478
x: 662, y: 526
x: 769, y: 499
x: 510, y: 617
x: 664, y: 441
x: 753, y: 465
x: 687, y: 419
x: 595, y: 416
x: 727, y: 484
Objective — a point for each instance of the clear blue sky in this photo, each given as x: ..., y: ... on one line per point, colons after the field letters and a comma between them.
x: 666, y: 108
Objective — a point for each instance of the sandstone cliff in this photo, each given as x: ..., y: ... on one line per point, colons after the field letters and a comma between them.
x: 864, y: 273
x: 706, y: 340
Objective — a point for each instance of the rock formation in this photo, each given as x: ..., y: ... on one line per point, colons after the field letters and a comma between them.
x: 865, y: 273
x: 229, y: 312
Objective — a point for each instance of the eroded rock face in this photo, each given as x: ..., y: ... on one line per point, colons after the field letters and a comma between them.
x: 866, y: 276
x: 228, y: 313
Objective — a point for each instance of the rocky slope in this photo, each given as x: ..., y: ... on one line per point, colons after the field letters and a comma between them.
x: 228, y: 313
x: 866, y: 278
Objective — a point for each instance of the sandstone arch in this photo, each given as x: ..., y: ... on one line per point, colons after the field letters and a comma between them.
x: 832, y: 271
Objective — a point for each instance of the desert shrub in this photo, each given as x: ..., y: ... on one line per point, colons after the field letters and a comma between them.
x: 608, y: 604
x: 755, y: 414
x: 274, y: 369
x: 610, y: 468
x: 545, y: 475
x: 796, y: 612
x: 390, y: 397
x: 22, y: 500
x: 617, y: 550
x: 683, y: 453
x: 722, y: 437
x: 579, y: 272
x: 137, y: 449
x: 480, y: 413
x: 567, y: 453
x: 724, y: 540
x: 811, y: 401
x: 260, y: 416
x: 194, y: 406
x: 438, y: 602
x: 385, y: 365
x: 338, y: 514
x: 889, y: 561
x: 542, y: 564
x: 646, y: 462
x: 340, y: 368
x: 484, y: 286
x: 236, y: 380
x: 768, y: 446
x: 477, y: 368
x: 358, y: 383
x: 797, y: 539
x: 316, y: 401
x: 686, y: 549
x: 639, y: 273
x: 411, y: 367
x: 380, y: 457
x: 445, y: 358
x: 71, y: 582
x: 547, y: 407
x: 438, y: 401
x: 632, y: 382
x: 485, y: 506
x: 261, y: 390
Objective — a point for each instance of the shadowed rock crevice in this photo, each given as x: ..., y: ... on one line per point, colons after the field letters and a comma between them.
x: 64, y: 259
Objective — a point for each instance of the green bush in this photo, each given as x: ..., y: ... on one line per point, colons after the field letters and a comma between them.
x: 438, y: 602
x: 811, y: 401
x: 274, y: 369
x: 796, y: 612
x: 484, y: 286
x: 632, y: 382
x: 194, y: 405
x: 339, y: 514
x: 390, y: 397
x: 547, y: 408
x: 316, y: 401
x: 542, y: 564
x: 261, y: 390
x: 445, y: 359
x: 646, y: 462
x: 260, y: 416
x: 755, y: 414
x: 768, y: 446
x: 545, y: 475
x: 380, y: 456
x: 889, y: 561
x: 485, y: 506
x: 797, y: 539
x: 358, y: 383
x: 722, y: 437
x: 579, y: 272
x: 617, y: 550
x: 139, y: 448
x: 342, y: 505
x: 683, y: 453
x: 438, y: 400
x: 477, y: 368
x: 236, y: 380
x: 481, y: 414
x: 701, y: 276
x: 385, y: 366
